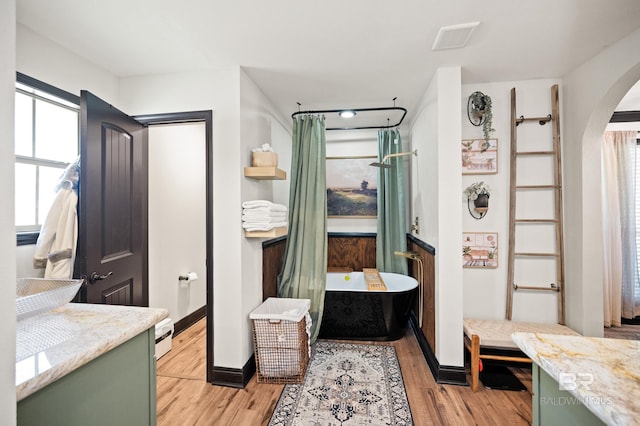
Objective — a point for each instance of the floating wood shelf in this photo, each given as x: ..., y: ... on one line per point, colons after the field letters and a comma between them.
x: 265, y: 173
x: 276, y: 232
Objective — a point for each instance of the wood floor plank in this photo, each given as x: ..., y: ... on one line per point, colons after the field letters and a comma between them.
x: 626, y: 331
x: 246, y: 417
x: 185, y: 398
x: 187, y: 355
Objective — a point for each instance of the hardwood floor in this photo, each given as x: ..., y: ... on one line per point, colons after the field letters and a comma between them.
x: 185, y: 398
x: 627, y: 331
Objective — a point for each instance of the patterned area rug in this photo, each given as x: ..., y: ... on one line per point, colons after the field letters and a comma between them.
x: 346, y: 384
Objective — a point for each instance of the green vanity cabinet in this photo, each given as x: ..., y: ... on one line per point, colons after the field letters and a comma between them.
x: 116, y: 388
x: 553, y: 406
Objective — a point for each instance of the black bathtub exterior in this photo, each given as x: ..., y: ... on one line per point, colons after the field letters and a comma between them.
x: 366, y: 315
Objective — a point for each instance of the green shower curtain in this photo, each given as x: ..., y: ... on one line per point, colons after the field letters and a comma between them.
x: 304, y: 271
x: 392, y: 220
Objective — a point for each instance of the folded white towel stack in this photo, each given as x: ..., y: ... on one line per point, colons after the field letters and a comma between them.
x: 262, y: 215
x: 264, y: 203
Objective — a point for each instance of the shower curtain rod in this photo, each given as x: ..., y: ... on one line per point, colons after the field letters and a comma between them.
x: 329, y: 111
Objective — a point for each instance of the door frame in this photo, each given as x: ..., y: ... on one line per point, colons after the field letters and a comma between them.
x: 205, y: 116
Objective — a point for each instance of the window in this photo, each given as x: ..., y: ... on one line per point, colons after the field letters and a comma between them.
x: 46, y: 140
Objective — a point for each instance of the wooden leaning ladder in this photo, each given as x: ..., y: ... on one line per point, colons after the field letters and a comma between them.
x: 556, y: 187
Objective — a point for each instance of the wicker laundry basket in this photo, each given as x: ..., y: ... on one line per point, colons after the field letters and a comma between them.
x: 280, y: 340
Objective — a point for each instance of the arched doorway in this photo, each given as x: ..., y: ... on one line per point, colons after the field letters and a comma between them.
x: 592, y: 92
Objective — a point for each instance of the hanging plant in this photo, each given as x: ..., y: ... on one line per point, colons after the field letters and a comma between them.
x: 479, y: 193
x: 480, y: 114
x: 472, y: 191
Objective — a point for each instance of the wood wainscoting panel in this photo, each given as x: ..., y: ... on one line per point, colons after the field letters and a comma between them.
x: 355, y: 251
x: 272, y: 260
x: 351, y: 250
x: 429, y: 280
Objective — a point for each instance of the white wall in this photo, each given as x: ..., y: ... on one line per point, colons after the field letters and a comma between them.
x: 7, y: 223
x: 216, y: 90
x: 258, y: 125
x: 591, y: 93
x: 41, y: 58
x: 425, y: 175
x: 436, y: 183
x: 449, y: 290
x: 485, y: 289
x: 177, y: 217
x: 24, y: 262
x: 242, y: 120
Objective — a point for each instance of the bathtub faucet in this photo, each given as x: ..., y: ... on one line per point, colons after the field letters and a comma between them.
x: 409, y: 254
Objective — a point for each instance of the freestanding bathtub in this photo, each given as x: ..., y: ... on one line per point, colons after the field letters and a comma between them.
x: 353, y: 312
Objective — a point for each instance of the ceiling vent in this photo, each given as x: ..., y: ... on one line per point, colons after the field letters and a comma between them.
x: 454, y: 36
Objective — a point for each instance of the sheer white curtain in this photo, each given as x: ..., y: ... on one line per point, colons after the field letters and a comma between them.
x: 621, y: 287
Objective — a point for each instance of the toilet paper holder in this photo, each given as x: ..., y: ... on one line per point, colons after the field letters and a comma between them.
x: 191, y: 276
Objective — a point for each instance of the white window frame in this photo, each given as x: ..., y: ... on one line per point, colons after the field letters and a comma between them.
x: 37, y: 90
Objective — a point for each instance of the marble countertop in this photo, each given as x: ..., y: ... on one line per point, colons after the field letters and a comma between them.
x: 604, y: 374
x: 53, y: 344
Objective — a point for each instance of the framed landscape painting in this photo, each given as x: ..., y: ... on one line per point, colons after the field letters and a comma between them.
x: 479, y: 156
x: 479, y: 249
x: 352, y: 187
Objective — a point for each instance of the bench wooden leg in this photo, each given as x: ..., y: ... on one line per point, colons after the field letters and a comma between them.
x: 475, y: 362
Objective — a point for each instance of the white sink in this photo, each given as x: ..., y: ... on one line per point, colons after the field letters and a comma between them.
x: 37, y: 295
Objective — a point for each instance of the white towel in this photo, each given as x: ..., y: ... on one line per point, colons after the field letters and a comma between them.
x: 263, y: 226
x: 263, y: 211
x: 263, y: 219
x: 264, y: 203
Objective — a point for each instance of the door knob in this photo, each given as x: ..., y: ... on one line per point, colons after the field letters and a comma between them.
x: 97, y: 277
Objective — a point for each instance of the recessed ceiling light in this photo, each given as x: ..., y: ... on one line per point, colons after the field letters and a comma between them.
x: 454, y: 36
x: 347, y: 114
